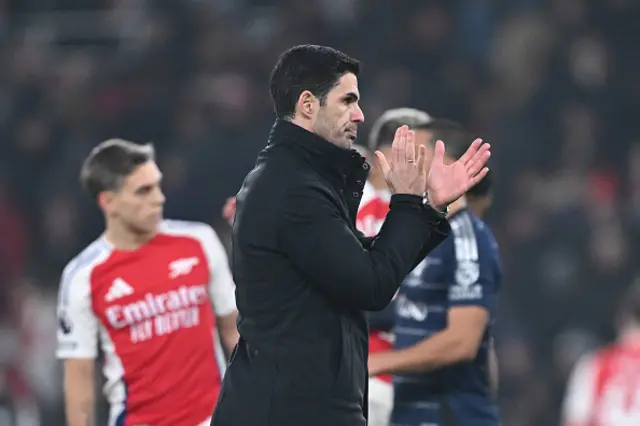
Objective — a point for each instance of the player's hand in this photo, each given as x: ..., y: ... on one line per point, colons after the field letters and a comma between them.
x: 404, y: 172
x: 229, y: 210
x: 446, y: 184
x: 377, y: 364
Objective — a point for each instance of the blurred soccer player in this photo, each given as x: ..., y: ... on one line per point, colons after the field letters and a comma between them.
x: 371, y: 215
x: 444, y: 311
x: 479, y: 200
x: 604, y: 388
x: 144, y: 291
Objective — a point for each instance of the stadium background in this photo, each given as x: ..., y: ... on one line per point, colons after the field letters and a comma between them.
x: 552, y: 84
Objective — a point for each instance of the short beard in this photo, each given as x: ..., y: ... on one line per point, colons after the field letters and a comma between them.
x: 323, y: 129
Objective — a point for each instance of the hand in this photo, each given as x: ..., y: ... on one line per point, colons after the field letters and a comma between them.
x: 404, y: 173
x: 229, y: 210
x: 446, y: 184
x: 377, y: 363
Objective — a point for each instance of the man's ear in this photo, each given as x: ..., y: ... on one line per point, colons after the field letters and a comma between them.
x: 105, y: 200
x: 307, y: 104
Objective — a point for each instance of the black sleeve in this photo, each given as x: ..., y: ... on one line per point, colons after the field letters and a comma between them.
x: 382, y: 320
x: 320, y: 243
x: 365, y: 241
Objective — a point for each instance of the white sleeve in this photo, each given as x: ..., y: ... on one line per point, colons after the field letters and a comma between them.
x: 221, y: 286
x: 77, y: 323
x: 579, y: 396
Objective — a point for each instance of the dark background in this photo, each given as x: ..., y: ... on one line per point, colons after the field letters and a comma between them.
x: 552, y: 84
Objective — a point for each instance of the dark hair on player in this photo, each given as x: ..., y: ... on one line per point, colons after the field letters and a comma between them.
x: 457, y: 140
x: 307, y: 67
x: 109, y: 163
x: 483, y: 188
x: 455, y: 137
x: 384, y: 128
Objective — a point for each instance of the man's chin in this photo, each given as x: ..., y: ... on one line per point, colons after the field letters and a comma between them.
x: 349, y: 141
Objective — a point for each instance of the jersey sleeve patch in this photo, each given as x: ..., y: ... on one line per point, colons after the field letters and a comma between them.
x: 77, y: 328
x: 472, y: 272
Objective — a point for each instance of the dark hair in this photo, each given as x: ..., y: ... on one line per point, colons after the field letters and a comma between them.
x: 307, y: 67
x: 455, y: 137
x: 110, y: 163
x: 384, y: 128
x: 457, y: 140
x: 482, y: 188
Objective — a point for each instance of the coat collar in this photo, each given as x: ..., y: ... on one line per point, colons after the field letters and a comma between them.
x: 331, y: 160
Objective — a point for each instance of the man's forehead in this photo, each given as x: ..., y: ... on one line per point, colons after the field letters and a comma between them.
x: 145, y: 174
x: 348, y: 83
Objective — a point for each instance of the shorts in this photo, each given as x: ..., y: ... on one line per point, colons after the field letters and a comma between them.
x: 380, y: 402
x: 439, y: 413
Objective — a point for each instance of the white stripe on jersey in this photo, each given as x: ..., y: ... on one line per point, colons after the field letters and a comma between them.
x: 467, y: 267
x: 464, y: 238
x: 86, y: 257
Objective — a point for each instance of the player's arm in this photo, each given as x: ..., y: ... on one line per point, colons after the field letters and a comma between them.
x: 467, y: 319
x: 221, y: 289
x: 459, y: 342
x: 579, y: 396
x: 77, y: 347
x: 228, y: 331
x: 79, y: 391
x: 313, y: 234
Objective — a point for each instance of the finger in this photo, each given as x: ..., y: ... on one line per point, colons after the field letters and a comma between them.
x: 438, y: 153
x: 479, y: 159
x: 396, y: 154
x: 410, y: 149
x: 478, y: 163
x: 477, y: 178
x: 422, y: 155
x: 475, y: 145
x: 383, y: 163
x: 402, y: 145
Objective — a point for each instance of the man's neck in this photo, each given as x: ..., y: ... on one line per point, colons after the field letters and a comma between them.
x: 123, y: 239
x: 457, y: 205
x: 478, y: 207
x: 301, y: 122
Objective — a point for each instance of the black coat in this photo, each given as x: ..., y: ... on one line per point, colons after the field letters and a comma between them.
x: 304, y: 278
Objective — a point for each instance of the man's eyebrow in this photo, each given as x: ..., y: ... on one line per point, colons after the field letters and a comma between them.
x: 144, y: 187
x: 351, y: 96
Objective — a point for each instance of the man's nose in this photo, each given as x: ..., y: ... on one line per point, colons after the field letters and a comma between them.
x: 160, y: 198
x: 357, y: 116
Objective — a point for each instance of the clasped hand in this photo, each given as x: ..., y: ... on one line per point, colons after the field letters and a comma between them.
x: 406, y: 171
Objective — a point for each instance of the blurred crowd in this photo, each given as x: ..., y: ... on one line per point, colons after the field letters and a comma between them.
x: 552, y: 84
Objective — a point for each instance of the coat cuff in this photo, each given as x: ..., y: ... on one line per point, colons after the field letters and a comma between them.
x: 416, y: 202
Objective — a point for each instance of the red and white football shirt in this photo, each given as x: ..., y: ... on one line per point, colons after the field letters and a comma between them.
x: 371, y: 215
x: 150, y: 310
x: 604, y: 388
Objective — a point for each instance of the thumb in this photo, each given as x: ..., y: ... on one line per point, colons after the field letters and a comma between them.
x: 383, y: 163
x: 438, y: 153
